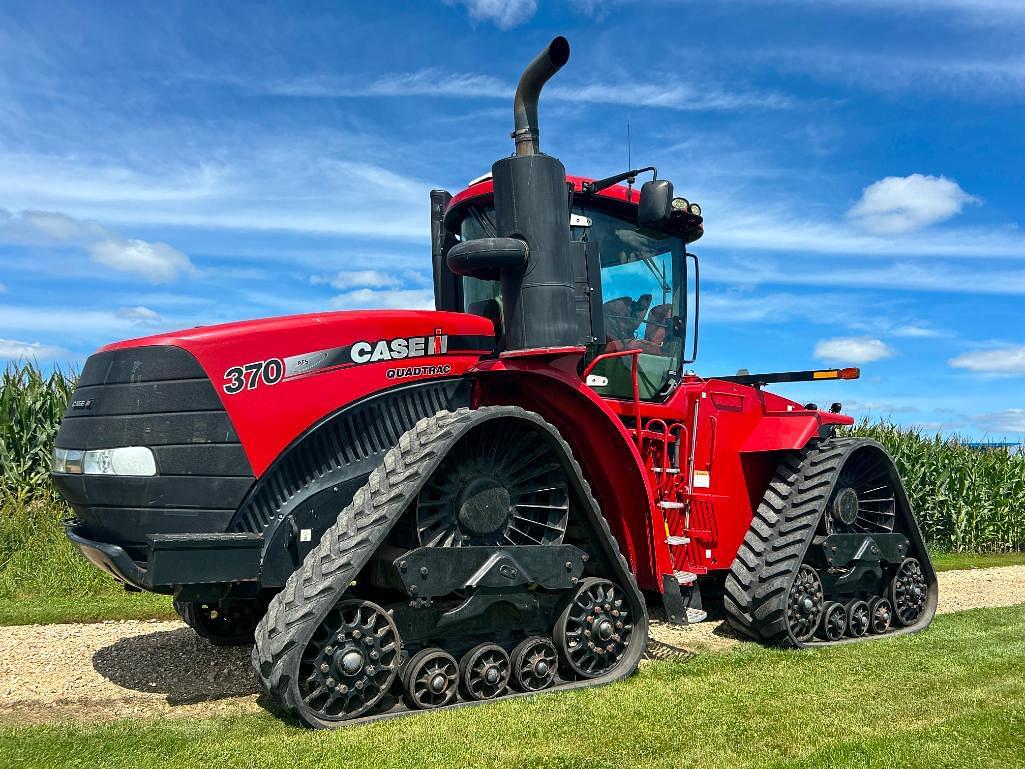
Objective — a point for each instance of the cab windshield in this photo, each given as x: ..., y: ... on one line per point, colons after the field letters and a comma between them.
x: 640, y: 272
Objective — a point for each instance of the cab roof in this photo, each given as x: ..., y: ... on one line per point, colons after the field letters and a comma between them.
x: 615, y: 199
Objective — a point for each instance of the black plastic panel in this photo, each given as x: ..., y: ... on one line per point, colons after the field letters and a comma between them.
x: 145, y: 398
x: 140, y: 364
x: 131, y: 525
x: 156, y: 492
x: 163, y: 429
x: 157, y: 397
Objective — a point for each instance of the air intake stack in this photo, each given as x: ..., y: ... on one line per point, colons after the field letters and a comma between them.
x: 531, y: 255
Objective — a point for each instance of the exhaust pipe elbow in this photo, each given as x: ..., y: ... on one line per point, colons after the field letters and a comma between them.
x: 537, y: 73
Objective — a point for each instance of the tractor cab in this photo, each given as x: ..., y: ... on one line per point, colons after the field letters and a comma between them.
x: 636, y: 283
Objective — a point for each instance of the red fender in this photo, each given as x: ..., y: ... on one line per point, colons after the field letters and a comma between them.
x: 600, y: 442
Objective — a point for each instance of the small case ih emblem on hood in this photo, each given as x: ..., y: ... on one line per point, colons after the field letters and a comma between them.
x: 82, y: 404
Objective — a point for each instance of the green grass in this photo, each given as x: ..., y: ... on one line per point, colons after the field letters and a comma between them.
x: 46, y: 610
x: 953, y: 696
x: 43, y: 579
x: 951, y: 561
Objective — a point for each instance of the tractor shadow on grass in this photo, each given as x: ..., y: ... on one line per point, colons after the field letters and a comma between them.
x: 178, y: 664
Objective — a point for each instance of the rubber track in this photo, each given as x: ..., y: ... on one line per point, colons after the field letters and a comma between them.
x: 781, y: 531
x: 328, y: 570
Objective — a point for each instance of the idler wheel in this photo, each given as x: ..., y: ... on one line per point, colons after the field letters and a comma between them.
x: 534, y: 663
x: 881, y: 611
x: 484, y: 672
x: 859, y: 618
x: 908, y: 592
x: 350, y: 662
x: 834, y: 621
x: 431, y: 679
x: 593, y: 631
x: 804, y: 603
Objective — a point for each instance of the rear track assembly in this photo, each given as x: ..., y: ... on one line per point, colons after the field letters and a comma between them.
x: 833, y: 554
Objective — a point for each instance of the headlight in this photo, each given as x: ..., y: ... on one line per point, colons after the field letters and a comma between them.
x: 127, y: 460
x: 695, y: 209
x: 67, y: 461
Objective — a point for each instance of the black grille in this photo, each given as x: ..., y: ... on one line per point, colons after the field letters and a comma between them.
x: 158, y: 397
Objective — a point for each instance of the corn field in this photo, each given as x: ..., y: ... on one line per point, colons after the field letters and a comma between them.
x: 965, y: 500
x: 31, y: 407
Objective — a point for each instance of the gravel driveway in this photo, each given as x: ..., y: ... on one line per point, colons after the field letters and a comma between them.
x: 109, y: 670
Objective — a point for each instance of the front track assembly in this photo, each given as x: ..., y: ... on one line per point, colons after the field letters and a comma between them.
x: 474, y: 565
x: 833, y: 554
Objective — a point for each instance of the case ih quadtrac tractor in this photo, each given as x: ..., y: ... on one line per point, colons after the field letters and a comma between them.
x: 413, y: 509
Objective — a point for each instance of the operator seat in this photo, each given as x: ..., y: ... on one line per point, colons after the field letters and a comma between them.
x: 623, y: 316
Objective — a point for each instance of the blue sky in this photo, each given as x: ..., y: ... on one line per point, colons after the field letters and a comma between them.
x: 859, y: 163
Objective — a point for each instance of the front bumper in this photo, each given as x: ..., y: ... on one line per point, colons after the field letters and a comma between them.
x: 172, y: 560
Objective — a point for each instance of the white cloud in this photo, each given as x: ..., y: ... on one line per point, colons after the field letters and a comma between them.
x: 853, y: 349
x: 669, y: 95
x: 140, y: 315
x: 768, y: 225
x: 271, y: 183
x: 11, y: 349
x: 1005, y: 360
x: 368, y: 299
x: 1009, y: 421
x: 156, y: 262
x: 900, y: 276
x: 505, y: 14
x: 345, y: 281
x: 431, y: 81
x: 900, y: 204
x: 915, y: 331
x: 55, y: 319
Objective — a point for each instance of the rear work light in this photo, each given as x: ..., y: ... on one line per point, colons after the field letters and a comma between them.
x: 837, y: 373
x: 126, y: 461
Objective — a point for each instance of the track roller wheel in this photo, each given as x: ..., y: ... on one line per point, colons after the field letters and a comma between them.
x: 484, y: 672
x: 834, y: 621
x: 908, y: 592
x: 351, y: 661
x: 804, y: 603
x: 881, y: 611
x: 594, y: 630
x: 859, y: 618
x: 534, y: 662
x: 431, y: 679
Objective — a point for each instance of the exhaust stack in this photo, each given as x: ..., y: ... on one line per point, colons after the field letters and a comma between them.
x: 528, y: 91
x: 530, y: 253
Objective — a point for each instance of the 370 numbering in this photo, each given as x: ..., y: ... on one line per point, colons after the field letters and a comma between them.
x: 250, y: 375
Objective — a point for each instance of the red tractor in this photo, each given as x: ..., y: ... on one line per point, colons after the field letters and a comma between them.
x: 421, y: 509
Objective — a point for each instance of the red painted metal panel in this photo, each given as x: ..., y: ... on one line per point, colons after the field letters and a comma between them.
x: 267, y: 417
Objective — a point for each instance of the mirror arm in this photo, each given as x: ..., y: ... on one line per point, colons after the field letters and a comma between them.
x: 627, y: 176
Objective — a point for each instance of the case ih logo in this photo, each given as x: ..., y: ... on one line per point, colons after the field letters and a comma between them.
x: 400, y: 348
x: 249, y: 376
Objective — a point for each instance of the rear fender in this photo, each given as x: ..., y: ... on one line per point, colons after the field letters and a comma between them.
x: 601, y: 444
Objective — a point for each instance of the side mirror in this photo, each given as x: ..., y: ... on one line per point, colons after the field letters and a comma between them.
x: 656, y: 203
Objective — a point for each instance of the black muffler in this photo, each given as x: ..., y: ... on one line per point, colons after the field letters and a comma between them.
x: 531, y: 253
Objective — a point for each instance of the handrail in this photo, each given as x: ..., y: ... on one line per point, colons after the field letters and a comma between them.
x: 633, y: 375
